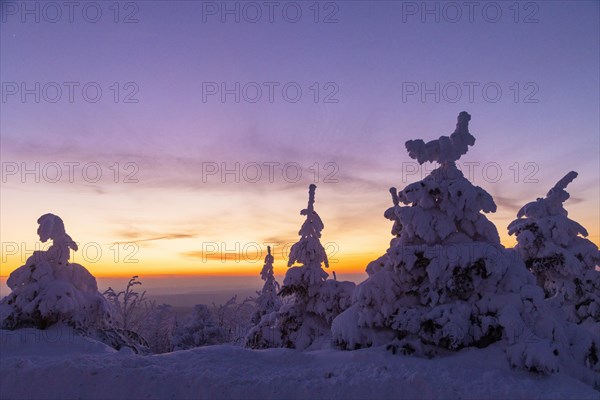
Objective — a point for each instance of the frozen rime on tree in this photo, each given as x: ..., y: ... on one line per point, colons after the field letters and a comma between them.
x: 314, y: 300
x: 445, y: 208
x: 129, y: 308
x: 267, y: 300
x: 308, y: 251
x: 446, y: 149
x: 446, y: 282
x: 234, y: 319
x: 158, y: 327
x: 390, y: 213
x: 52, y: 228
x: 215, y: 324
x: 48, y: 289
x: 554, y: 248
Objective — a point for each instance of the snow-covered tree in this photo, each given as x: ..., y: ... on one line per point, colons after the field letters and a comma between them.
x: 200, y: 329
x: 133, y: 318
x: 234, y: 319
x: 226, y: 323
x: 158, y: 327
x: 314, y: 300
x: 129, y: 308
x: 554, y: 248
x: 267, y: 300
x: 149, y: 326
x: 49, y: 290
x: 446, y: 282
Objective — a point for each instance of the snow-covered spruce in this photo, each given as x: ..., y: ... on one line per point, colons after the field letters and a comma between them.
x: 48, y: 289
x: 446, y: 282
x: 554, y: 248
x: 267, y: 300
x: 314, y: 300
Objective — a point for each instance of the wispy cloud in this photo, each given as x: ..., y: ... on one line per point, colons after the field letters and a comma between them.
x: 180, y: 172
x: 134, y: 237
x: 252, y: 257
x: 513, y: 205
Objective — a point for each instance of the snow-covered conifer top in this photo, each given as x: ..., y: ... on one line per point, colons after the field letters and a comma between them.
x: 313, y: 224
x: 445, y: 150
x: 543, y: 227
x: 311, y: 197
x: 444, y: 207
x: 52, y: 227
x: 267, y: 270
x: 553, y: 203
x: 309, y: 249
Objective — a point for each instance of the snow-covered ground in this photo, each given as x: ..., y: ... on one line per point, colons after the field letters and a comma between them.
x: 58, y: 364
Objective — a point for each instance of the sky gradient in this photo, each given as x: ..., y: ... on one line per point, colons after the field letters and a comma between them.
x: 171, y: 208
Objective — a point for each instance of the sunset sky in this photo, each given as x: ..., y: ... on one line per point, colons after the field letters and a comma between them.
x: 173, y: 212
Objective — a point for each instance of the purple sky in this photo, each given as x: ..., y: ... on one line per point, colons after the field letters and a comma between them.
x: 370, y: 58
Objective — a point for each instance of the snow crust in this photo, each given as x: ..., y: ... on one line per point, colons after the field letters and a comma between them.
x: 37, y: 368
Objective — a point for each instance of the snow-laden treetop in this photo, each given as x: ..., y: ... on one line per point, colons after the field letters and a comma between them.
x: 269, y: 257
x: 552, y: 204
x: 313, y: 224
x: 444, y: 150
x: 444, y: 207
x: 549, y: 217
x: 267, y: 270
x: 311, y: 197
x: 52, y: 227
x: 309, y: 249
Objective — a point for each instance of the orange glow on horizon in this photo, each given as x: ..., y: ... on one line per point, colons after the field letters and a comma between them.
x: 167, y: 260
x: 341, y: 265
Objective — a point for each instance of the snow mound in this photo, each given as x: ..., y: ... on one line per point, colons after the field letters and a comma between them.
x: 57, y: 341
x: 225, y: 372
